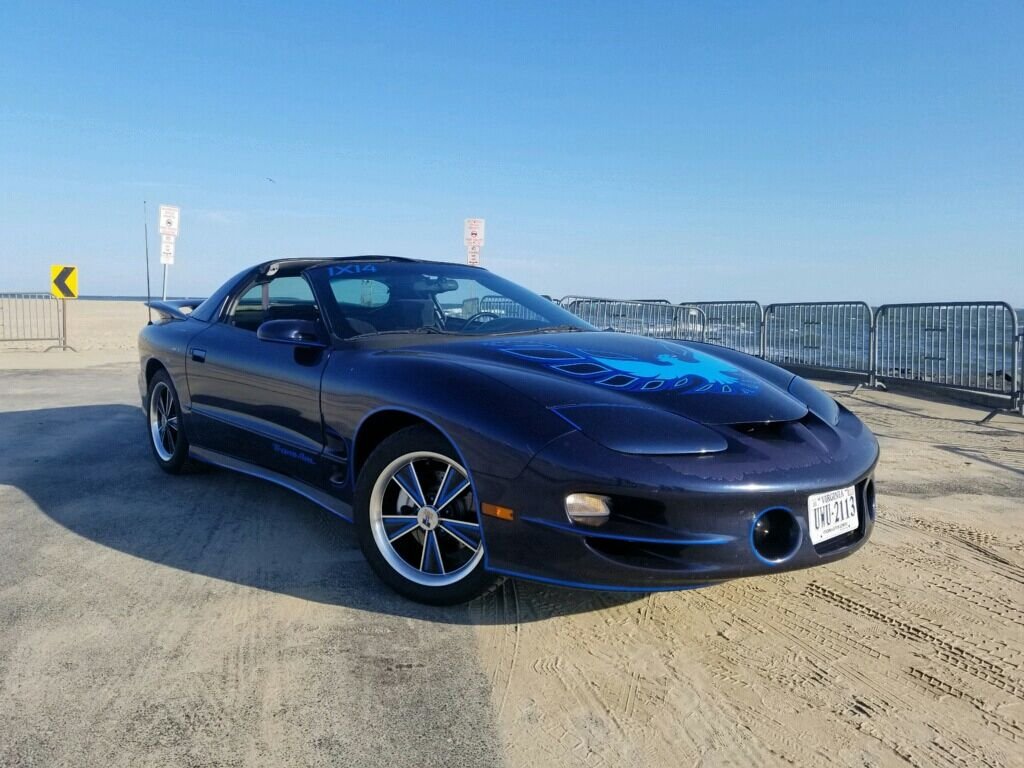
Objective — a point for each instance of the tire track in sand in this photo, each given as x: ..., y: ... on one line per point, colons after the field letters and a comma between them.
x: 992, y: 672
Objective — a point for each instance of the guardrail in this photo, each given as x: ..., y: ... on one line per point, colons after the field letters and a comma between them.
x: 642, y: 318
x: 833, y: 336
x: 971, y: 346
x: 33, y: 317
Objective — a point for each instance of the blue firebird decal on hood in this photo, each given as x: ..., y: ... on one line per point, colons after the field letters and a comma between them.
x: 682, y: 370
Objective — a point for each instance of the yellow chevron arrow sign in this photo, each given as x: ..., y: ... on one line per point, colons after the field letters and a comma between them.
x: 64, y: 281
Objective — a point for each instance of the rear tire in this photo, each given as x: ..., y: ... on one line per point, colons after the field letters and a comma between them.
x: 415, y: 515
x: 164, y: 425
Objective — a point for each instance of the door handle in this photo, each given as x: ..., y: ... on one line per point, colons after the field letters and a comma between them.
x: 199, y: 355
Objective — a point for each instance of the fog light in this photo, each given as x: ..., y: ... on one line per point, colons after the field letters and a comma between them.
x: 588, y: 508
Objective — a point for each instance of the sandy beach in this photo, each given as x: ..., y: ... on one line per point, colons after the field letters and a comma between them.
x: 215, y: 619
x: 100, y: 331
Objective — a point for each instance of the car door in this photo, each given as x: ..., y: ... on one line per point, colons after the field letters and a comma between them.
x: 255, y: 400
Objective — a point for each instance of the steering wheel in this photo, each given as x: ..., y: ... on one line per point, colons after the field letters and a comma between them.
x: 473, y: 318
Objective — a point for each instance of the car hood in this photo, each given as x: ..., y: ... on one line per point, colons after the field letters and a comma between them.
x: 703, y: 383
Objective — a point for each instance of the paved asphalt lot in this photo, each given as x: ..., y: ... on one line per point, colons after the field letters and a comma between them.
x: 216, y: 620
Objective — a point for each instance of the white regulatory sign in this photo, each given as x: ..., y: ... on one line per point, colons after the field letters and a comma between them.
x: 473, y: 234
x: 167, y: 249
x: 170, y: 216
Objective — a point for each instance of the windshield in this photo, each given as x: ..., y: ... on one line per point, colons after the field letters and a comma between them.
x: 387, y: 297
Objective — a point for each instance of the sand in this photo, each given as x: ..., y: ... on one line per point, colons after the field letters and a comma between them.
x: 214, y: 619
x: 909, y: 653
x: 100, y: 331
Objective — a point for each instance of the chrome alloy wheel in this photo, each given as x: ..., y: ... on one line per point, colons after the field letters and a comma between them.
x: 163, y: 421
x: 423, y: 519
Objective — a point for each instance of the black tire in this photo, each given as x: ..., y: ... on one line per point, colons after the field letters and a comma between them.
x: 171, y: 461
x: 458, y: 513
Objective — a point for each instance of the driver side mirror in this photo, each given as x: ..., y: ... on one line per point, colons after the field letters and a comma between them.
x: 298, y: 333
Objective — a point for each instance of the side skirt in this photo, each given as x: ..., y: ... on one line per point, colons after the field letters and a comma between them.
x: 323, y: 499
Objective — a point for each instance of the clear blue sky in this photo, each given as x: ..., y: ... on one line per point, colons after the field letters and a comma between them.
x: 784, y: 151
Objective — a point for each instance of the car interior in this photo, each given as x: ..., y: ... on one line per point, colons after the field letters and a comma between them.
x: 287, y: 297
x: 383, y: 306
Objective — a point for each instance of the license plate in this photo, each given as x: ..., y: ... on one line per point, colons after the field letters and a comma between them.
x: 832, y: 514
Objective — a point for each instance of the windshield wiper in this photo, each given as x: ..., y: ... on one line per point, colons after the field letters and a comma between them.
x: 547, y: 329
x: 560, y: 329
x: 424, y: 329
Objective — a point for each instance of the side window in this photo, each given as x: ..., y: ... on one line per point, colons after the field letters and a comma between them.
x: 283, y: 298
x: 361, y: 293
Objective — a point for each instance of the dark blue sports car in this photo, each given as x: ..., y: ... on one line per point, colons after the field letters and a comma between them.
x: 473, y: 430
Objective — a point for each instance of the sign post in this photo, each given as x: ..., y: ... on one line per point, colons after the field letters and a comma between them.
x: 473, y: 238
x: 64, y: 285
x: 170, y: 218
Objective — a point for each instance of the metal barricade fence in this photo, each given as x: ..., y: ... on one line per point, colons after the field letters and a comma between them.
x: 31, y: 317
x: 965, y: 345
x: 642, y: 318
x: 503, y: 306
x: 1018, y: 397
x: 733, y: 324
x: 977, y: 346
x: 830, y: 335
x: 565, y: 301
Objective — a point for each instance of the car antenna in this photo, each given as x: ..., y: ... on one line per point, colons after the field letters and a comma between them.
x: 145, y: 229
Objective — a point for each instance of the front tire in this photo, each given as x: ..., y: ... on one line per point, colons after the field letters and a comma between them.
x: 164, y: 425
x: 415, y: 515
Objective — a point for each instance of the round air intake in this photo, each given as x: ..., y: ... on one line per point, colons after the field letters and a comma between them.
x: 775, y: 535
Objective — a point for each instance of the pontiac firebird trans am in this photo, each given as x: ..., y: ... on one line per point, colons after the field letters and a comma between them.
x: 471, y: 430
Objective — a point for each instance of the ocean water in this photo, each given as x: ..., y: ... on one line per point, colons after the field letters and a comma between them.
x: 136, y: 298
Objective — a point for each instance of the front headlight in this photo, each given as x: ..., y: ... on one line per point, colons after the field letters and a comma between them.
x: 644, y: 431
x: 820, y: 404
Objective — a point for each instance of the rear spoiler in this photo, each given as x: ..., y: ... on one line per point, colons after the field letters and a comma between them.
x: 172, y: 310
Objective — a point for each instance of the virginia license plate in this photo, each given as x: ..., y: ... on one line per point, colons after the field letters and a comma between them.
x: 832, y: 514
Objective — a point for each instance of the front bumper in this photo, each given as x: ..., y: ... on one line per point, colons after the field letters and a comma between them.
x: 677, y: 521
